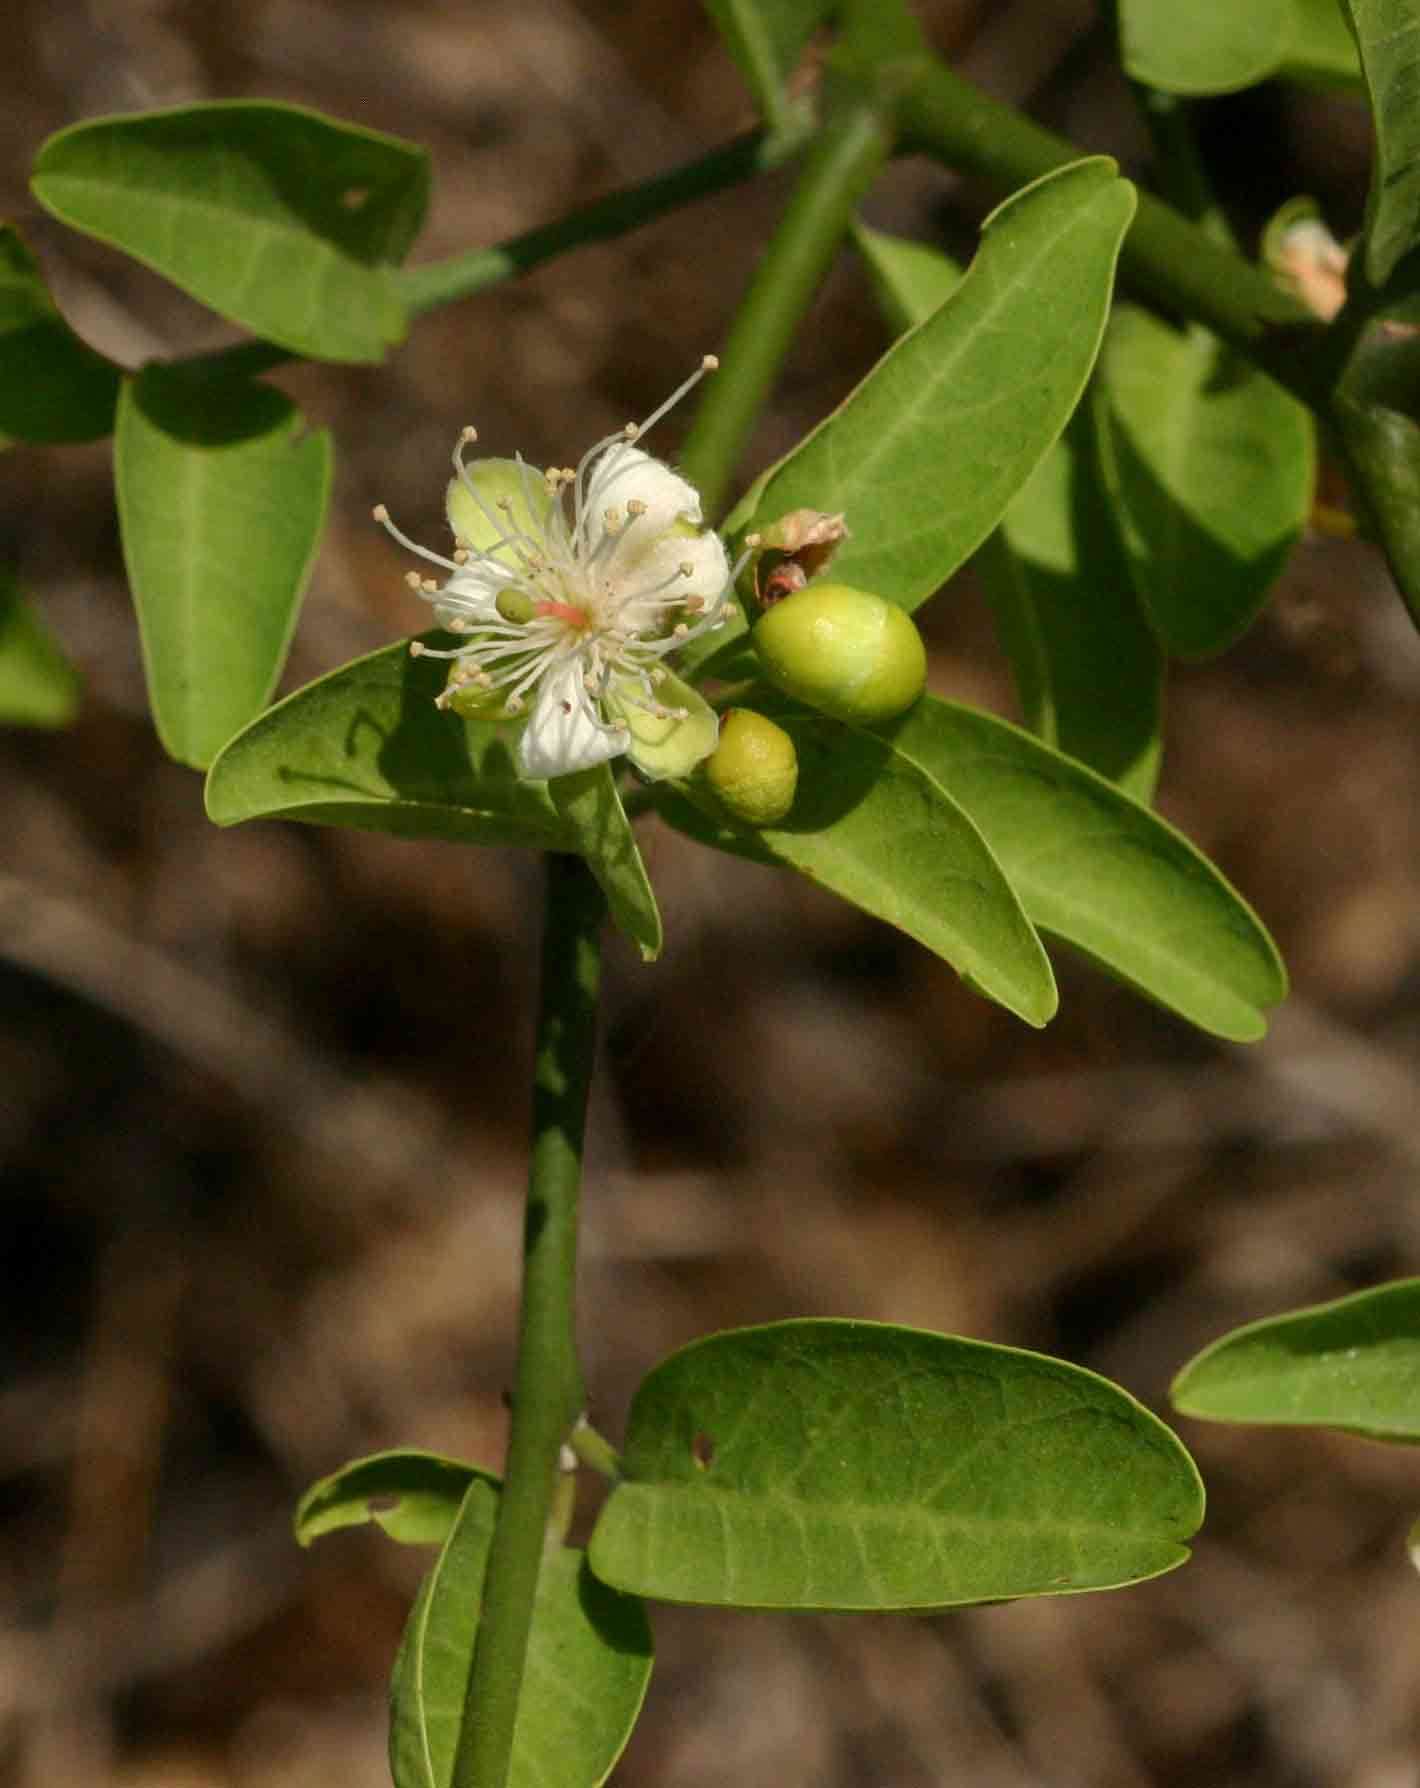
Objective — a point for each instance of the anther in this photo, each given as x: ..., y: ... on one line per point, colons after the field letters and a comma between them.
x: 467, y: 436
x: 416, y: 648
x: 710, y: 363
x: 380, y: 513
x: 413, y: 579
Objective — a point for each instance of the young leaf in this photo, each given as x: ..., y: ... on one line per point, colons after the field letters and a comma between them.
x: 1211, y: 468
x: 221, y: 500
x: 1088, y: 671
x: 281, y: 219
x: 38, y: 685
x: 588, y: 1663
x: 1100, y: 871
x: 870, y: 825
x: 366, y: 747
x: 1209, y: 46
x: 596, y: 822
x: 1353, y: 1364
x: 925, y: 455
x: 1388, y: 38
x: 53, y: 387
x: 414, y: 1496
x: 855, y: 1465
x: 766, y: 39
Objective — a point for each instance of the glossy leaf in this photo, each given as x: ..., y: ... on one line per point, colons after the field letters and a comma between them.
x: 53, y: 386
x: 1208, y: 46
x: 590, y: 808
x: 924, y: 456
x: 414, y: 1496
x: 854, y: 1465
x: 871, y: 826
x: 38, y: 685
x: 1100, y: 871
x: 277, y: 217
x: 1352, y: 1364
x: 1210, y: 466
x: 1388, y: 38
x: 766, y: 39
x: 366, y: 747
x: 1088, y: 670
x: 588, y: 1663
x: 221, y: 499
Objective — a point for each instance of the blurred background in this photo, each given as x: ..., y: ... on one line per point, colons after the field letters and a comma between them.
x: 262, y: 1093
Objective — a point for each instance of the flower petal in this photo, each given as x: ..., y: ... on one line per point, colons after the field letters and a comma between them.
x: 663, y: 745
x: 625, y: 474
x: 475, y: 505
x: 563, y: 732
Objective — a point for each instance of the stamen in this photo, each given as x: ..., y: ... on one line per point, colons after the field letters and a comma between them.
x: 382, y: 516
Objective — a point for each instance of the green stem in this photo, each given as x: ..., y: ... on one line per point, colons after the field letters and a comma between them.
x: 850, y: 150
x: 1169, y: 260
x: 437, y: 283
x: 548, y: 1396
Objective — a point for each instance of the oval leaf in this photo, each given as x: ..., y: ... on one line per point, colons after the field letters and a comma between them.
x: 277, y: 217
x: 591, y: 810
x: 366, y: 747
x: 1352, y: 1364
x: 1101, y: 871
x: 221, y: 500
x: 1211, y: 467
x: 588, y: 1663
x: 852, y: 1465
x: 1388, y: 38
x: 1321, y: 49
x: 38, y: 685
x: 414, y: 1496
x: 925, y: 455
x: 53, y: 387
x: 870, y: 825
x: 1209, y: 46
x: 1088, y: 671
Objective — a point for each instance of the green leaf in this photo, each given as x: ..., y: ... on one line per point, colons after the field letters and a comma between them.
x: 1087, y: 669
x: 414, y: 1496
x: 38, y: 685
x: 873, y: 827
x: 909, y: 279
x: 766, y: 39
x: 1353, y: 1364
x: 1100, y: 871
x: 221, y: 499
x: 854, y: 1465
x: 1382, y: 449
x: 1388, y: 38
x: 1208, y: 46
x: 1321, y: 49
x: 53, y: 386
x: 925, y: 455
x: 590, y: 808
x: 366, y: 747
x: 281, y: 219
x: 588, y: 1663
x: 1211, y: 468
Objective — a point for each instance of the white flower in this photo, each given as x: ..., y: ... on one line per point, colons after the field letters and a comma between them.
x: 571, y: 588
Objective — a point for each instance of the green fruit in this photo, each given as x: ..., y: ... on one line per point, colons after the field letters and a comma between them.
x: 843, y: 651
x: 754, y: 769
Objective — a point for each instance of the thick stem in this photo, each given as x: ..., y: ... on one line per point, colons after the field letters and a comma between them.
x: 548, y: 1395
x: 1169, y: 260
x: 854, y: 144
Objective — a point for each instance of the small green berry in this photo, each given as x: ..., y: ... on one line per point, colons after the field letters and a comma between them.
x: 843, y: 651
x: 754, y: 769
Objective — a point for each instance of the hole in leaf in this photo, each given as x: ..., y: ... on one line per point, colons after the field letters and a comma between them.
x: 354, y: 197
x: 702, y: 1451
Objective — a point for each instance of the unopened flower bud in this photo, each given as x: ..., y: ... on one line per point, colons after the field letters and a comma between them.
x: 754, y: 769
x: 845, y: 652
